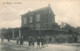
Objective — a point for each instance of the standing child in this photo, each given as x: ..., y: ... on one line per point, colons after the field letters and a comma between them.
x: 42, y: 41
x: 21, y: 41
x: 17, y: 40
x: 38, y: 41
x: 33, y: 41
x: 2, y: 38
x: 29, y: 40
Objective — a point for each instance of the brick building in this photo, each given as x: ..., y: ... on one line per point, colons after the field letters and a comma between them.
x: 39, y: 19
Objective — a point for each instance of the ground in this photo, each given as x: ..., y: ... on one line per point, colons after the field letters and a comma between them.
x: 11, y: 46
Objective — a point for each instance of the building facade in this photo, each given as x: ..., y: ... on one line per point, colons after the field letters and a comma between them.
x: 40, y: 19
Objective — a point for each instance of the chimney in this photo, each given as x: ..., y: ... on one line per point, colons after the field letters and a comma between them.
x: 49, y: 5
x: 29, y: 11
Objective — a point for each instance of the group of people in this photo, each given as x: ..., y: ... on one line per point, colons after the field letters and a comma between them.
x: 8, y: 38
x: 20, y: 41
x: 41, y: 41
x: 31, y: 41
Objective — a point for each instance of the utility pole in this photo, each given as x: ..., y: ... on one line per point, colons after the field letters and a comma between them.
x: 19, y: 33
x: 0, y: 33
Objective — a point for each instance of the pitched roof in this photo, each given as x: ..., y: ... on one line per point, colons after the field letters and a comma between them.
x: 47, y: 7
x: 40, y: 9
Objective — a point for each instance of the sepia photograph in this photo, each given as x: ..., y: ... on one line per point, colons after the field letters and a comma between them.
x: 39, y: 25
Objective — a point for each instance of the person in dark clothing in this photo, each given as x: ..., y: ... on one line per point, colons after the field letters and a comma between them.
x: 42, y: 42
x: 46, y: 40
x: 38, y: 41
x: 21, y: 41
x: 75, y: 39
x: 50, y: 39
x: 2, y: 38
x: 8, y: 38
x: 33, y: 41
x: 29, y: 40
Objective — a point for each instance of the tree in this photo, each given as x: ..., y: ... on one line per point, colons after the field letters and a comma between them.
x: 55, y: 26
x: 68, y: 27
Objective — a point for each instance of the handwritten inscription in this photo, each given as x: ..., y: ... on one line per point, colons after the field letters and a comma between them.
x: 12, y: 2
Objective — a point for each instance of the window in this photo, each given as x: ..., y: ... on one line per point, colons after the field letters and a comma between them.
x: 38, y: 26
x: 45, y: 26
x: 30, y: 19
x: 38, y: 18
x: 24, y: 20
x: 31, y: 26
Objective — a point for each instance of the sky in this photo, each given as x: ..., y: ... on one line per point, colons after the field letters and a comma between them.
x: 67, y: 11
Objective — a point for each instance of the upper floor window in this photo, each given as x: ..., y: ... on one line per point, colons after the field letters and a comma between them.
x: 38, y: 18
x: 24, y: 20
x: 30, y: 19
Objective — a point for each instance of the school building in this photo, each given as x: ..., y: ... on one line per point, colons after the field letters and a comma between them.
x: 39, y: 19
